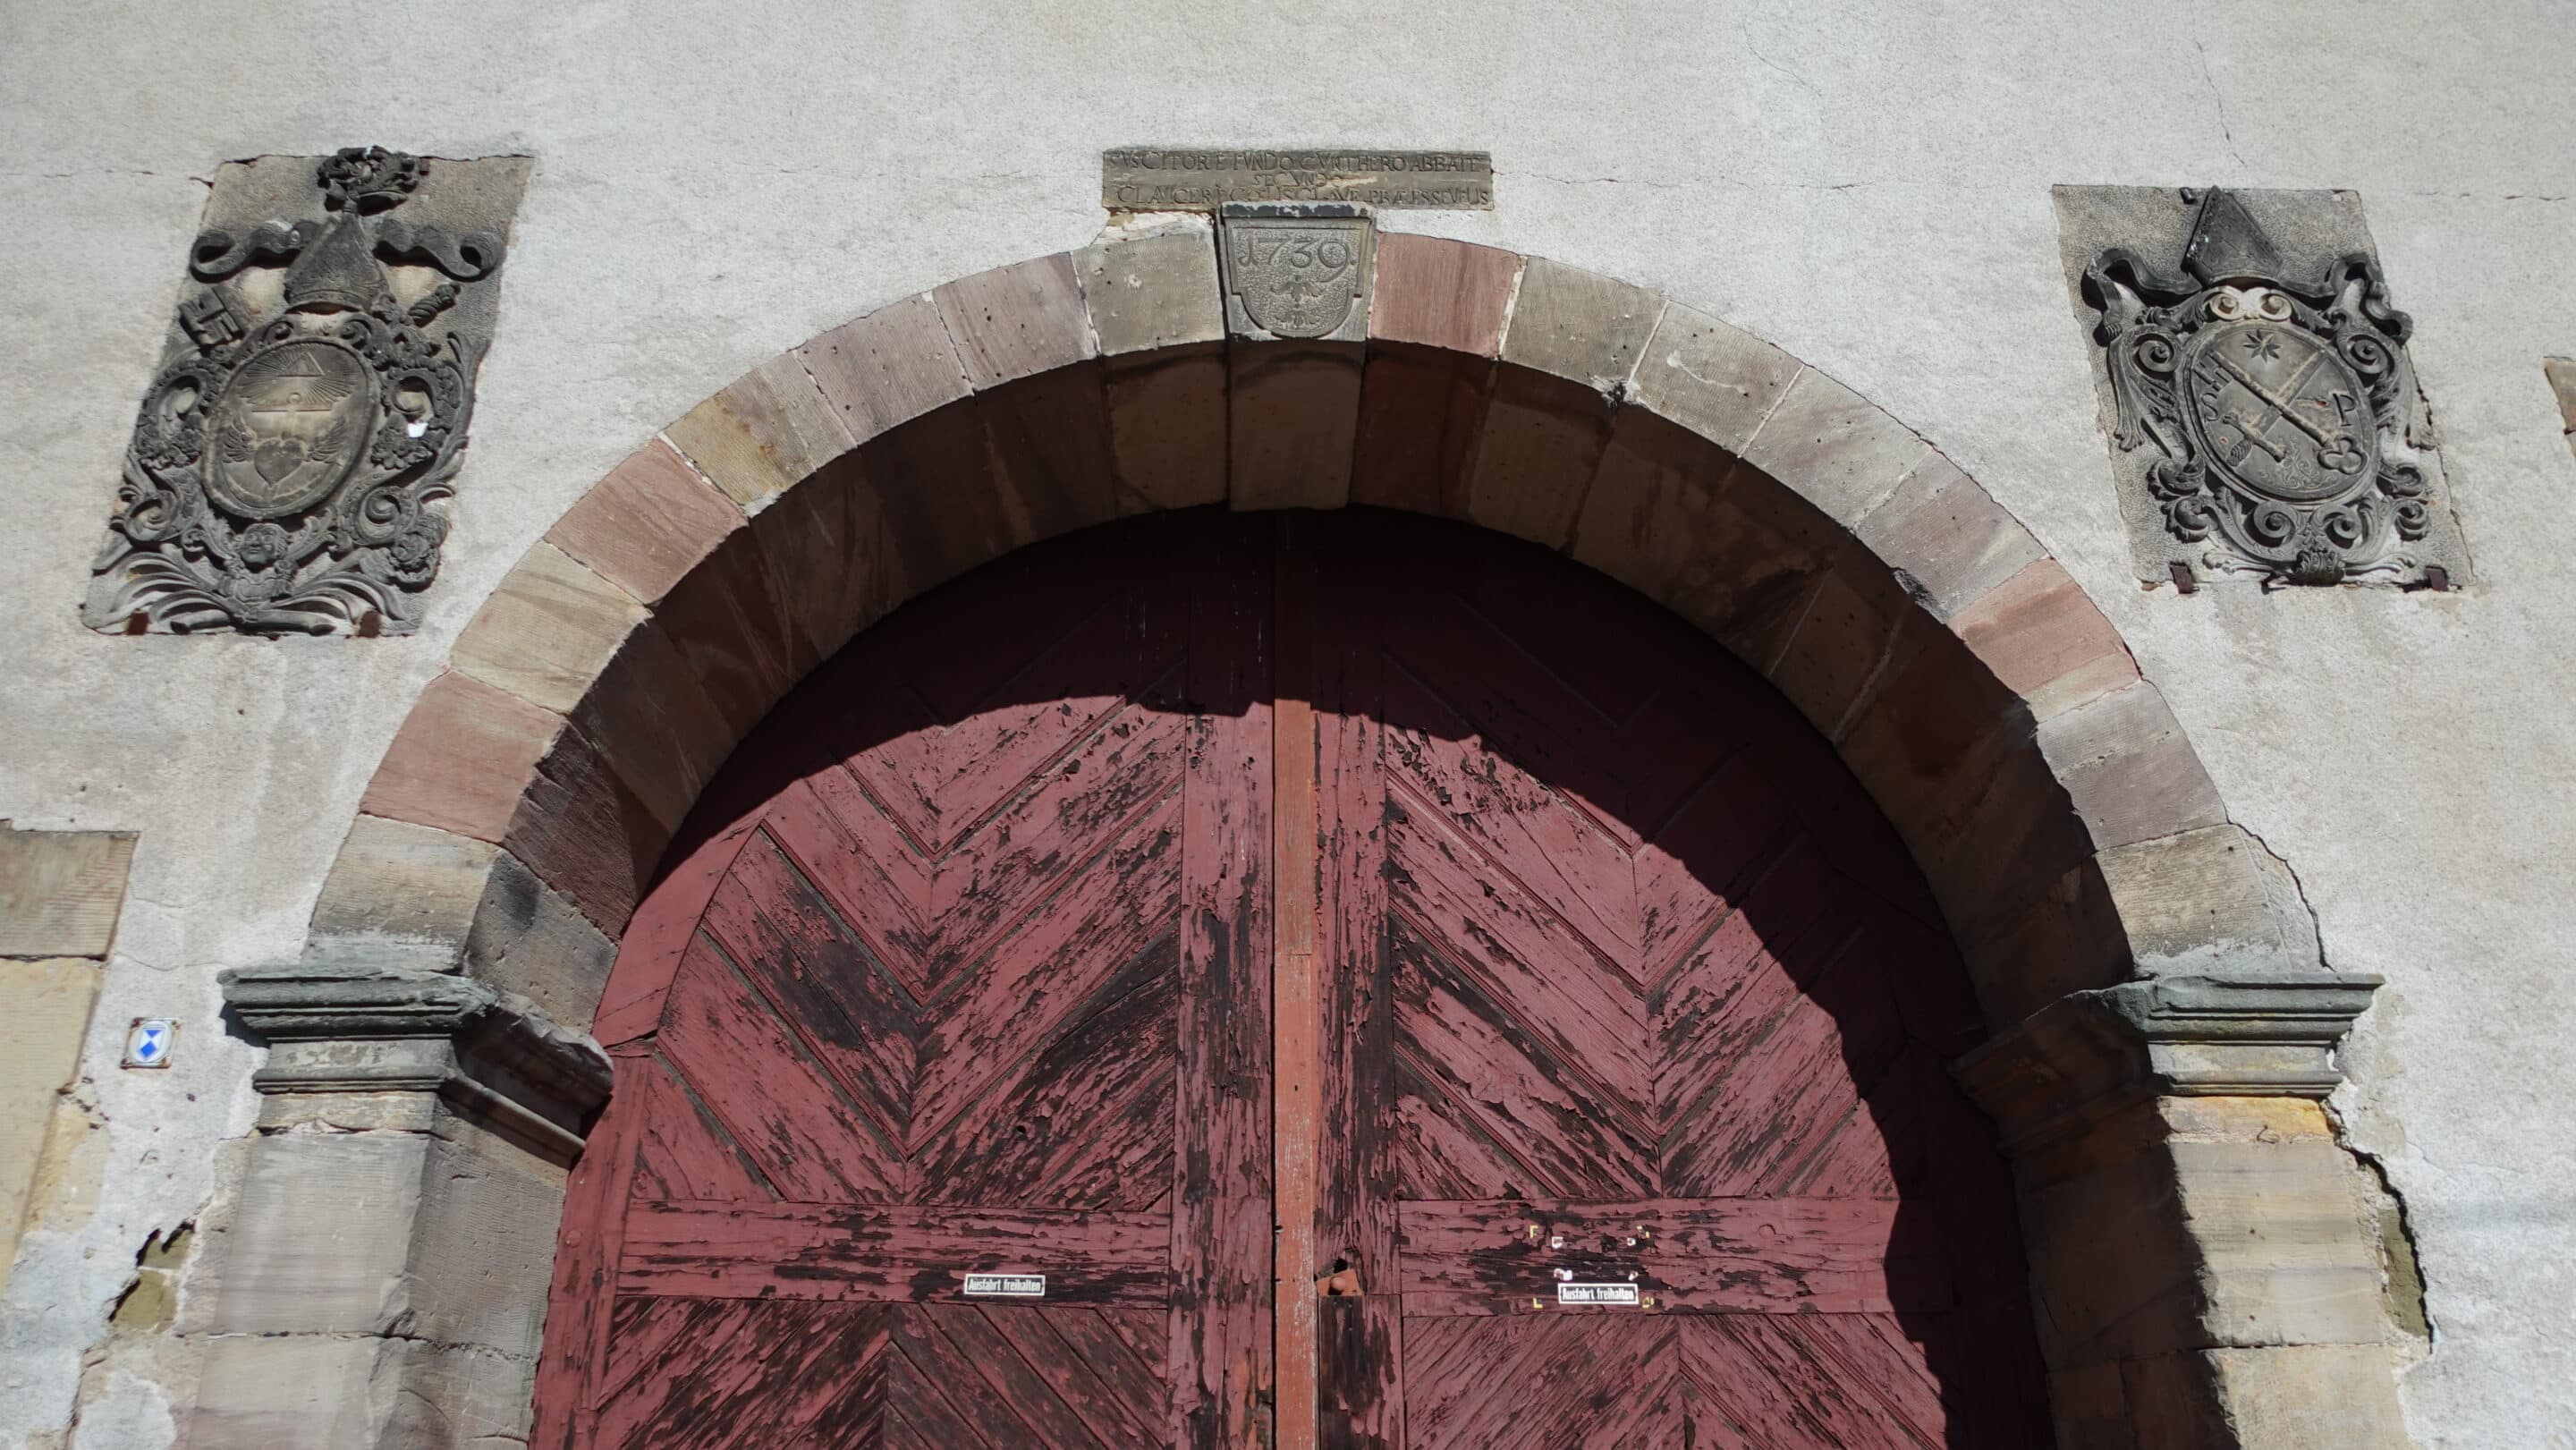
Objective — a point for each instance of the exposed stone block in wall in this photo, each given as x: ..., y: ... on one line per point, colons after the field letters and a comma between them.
x: 2264, y: 420
x: 291, y: 469
x: 60, y: 892
x: 44, y: 1013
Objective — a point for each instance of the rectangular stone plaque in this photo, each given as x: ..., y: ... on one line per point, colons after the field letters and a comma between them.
x: 1171, y: 178
x: 1007, y: 1286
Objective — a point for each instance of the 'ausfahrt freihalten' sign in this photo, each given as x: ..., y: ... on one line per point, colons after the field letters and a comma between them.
x: 1160, y: 178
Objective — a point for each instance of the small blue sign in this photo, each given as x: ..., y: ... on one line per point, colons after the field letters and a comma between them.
x: 149, y: 1040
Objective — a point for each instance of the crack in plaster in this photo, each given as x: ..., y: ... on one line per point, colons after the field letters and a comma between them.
x: 2343, y: 1137
x: 2378, y: 1166
x: 2217, y: 96
x: 204, y: 181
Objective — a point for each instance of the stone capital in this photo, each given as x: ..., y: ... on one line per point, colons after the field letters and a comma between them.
x: 379, y: 1030
x: 2090, y: 1053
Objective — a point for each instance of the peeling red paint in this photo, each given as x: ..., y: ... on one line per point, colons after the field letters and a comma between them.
x: 978, y: 967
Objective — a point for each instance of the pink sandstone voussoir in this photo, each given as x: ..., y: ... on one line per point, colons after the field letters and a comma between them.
x: 1535, y: 457
x: 646, y: 525
x: 2043, y: 637
x: 1433, y: 292
x: 1941, y: 527
x: 2130, y: 771
x: 887, y: 368
x: 1422, y: 410
x: 584, y: 833
x: 462, y: 759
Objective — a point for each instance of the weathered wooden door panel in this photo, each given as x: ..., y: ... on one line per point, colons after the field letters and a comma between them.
x: 1481, y: 920
x: 1623, y: 993
x: 980, y: 985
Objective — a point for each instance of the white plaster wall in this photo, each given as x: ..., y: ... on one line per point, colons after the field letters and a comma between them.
x: 1864, y: 182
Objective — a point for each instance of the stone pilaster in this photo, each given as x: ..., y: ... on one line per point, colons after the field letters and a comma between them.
x: 2179, y: 1119
x: 383, y: 1280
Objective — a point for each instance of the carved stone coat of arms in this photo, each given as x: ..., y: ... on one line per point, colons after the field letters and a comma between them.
x: 296, y: 450
x: 1297, y: 272
x: 2272, y: 407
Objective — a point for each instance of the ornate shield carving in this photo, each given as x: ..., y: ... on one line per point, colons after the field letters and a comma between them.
x: 2282, y: 405
x: 287, y: 427
x: 1297, y: 276
x: 293, y: 460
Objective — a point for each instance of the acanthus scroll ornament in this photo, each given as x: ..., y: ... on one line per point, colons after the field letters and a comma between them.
x: 2283, y: 405
x: 294, y: 457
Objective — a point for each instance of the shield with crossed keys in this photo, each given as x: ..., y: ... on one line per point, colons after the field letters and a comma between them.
x: 2276, y: 410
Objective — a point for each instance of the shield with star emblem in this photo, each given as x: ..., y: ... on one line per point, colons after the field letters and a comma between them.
x: 2273, y: 406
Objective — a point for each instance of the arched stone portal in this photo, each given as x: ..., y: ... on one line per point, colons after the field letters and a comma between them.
x: 2198, y: 1260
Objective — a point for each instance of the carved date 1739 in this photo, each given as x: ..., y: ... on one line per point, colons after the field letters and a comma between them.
x: 293, y: 460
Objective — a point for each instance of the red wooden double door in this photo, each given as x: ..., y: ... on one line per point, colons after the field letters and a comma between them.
x: 1287, y: 980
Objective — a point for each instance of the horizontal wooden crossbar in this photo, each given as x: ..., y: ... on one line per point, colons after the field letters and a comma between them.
x: 1708, y: 1256
x: 909, y: 1253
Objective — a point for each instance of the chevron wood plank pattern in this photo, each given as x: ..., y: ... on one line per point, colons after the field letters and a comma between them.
x: 967, y: 966
x: 1644, y: 970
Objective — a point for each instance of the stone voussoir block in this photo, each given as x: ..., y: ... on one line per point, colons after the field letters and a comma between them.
x: 825, y: 543
x: 547, y: 629
x: 1051, y: 447
x: 1422, y: 412
x: 1931, y: 731
x: 731, y: 621
x: 1715, y: 379
x: 1948, y: 534
x: 1724, y: 546
x: 463, y: 758
x: 1433, y: 292
x: 1580, y: 326
x: 1642, y: 516
x: 1842, y: 641
x: 584, y: 832
x: 1536, y: 454
x: 1834, y: 447
x: 1017, y: 321
x: 400, y: 894
x: 764, y: 433
x: 2129, y: 769
x: 1167, y: 427
x: 528, y: 939
x: 2210, y: 900
x: 1292, y: 423
x: 1147, y: 294
x: 650, y: 715
x: 649, y: 523
x: 887, y: 368
x: 2043, y: 637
